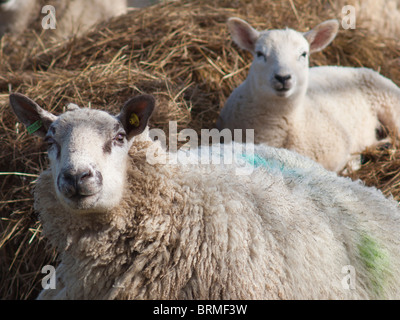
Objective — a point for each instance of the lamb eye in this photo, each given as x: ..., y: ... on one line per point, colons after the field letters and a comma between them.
x: 304, y: 54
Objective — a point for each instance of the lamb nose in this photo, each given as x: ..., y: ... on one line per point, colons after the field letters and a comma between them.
x: 283, y: 79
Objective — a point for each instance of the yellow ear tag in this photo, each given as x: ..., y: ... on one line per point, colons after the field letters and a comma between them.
x: 134, y: 120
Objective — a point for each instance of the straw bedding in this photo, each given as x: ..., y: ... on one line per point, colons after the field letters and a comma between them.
x: 178, y: 51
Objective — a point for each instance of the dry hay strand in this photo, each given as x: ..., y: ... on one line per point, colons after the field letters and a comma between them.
x: 180, y: 52
x: 381, y: 168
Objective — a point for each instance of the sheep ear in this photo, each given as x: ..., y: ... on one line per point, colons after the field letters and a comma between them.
x: 36, y: 119
x: 322, y: 35
x: 243, y: 34
x: 135, y: 114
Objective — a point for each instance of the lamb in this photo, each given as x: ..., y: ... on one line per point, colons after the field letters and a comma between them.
x: 326, y: 113
x: 130, y: 228
x: 72, y: 16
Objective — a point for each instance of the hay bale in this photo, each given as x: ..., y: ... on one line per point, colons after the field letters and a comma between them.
x: 381, y: 169
x: 179, y: 51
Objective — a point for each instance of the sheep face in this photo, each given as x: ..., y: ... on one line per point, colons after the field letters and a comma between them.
x: 280, y: 65
x: 87, y: 149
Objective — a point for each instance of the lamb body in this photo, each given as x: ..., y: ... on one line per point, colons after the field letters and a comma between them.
x: 72, y: 16
x: 285, y: 230
x: 326, y: 113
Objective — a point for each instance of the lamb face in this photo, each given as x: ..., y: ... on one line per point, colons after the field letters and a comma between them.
x: 280, y: 65
x: 88, y: 149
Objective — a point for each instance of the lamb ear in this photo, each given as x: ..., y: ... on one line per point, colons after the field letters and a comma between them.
x: 36, y: 119
x: 243, y: 33
x: 322, y: 35
x: 135, y: 114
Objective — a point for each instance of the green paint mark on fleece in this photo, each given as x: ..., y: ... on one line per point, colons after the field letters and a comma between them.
x: 376, y: 261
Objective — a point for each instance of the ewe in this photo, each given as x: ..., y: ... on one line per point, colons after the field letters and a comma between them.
x: 326, y: 113
x: 72, y: 16
x: 128, y: 229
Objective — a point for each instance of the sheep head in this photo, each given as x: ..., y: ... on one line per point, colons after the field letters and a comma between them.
x: 280, y: 65
x: 87, y: 148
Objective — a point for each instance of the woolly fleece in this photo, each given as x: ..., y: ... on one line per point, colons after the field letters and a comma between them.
x: 202, y: 232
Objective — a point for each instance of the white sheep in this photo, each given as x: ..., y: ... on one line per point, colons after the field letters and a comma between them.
x: 15, y: 15
x: 326, y: 113
x: 381, y: 18
x: 129, y: 229
x: 71, y: 16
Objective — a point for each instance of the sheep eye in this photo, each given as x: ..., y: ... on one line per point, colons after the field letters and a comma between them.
x: 261, y: 54
x: 52, y: 145
x: 304, y: 54
x: 120, y: 137
x: 50, y: 141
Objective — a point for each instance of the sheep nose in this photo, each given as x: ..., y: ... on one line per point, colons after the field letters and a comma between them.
x: 81, y: 177
x: 82, y: 182
x: 283, y: 79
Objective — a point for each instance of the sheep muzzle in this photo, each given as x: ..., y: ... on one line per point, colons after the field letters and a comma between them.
x: 76, y: 185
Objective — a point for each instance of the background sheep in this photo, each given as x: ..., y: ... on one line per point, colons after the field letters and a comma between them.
x: 325, y: 113
x: 15, y: 15
x: 72, y: 16
x: 285, y: 231
x: 381, y: 17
